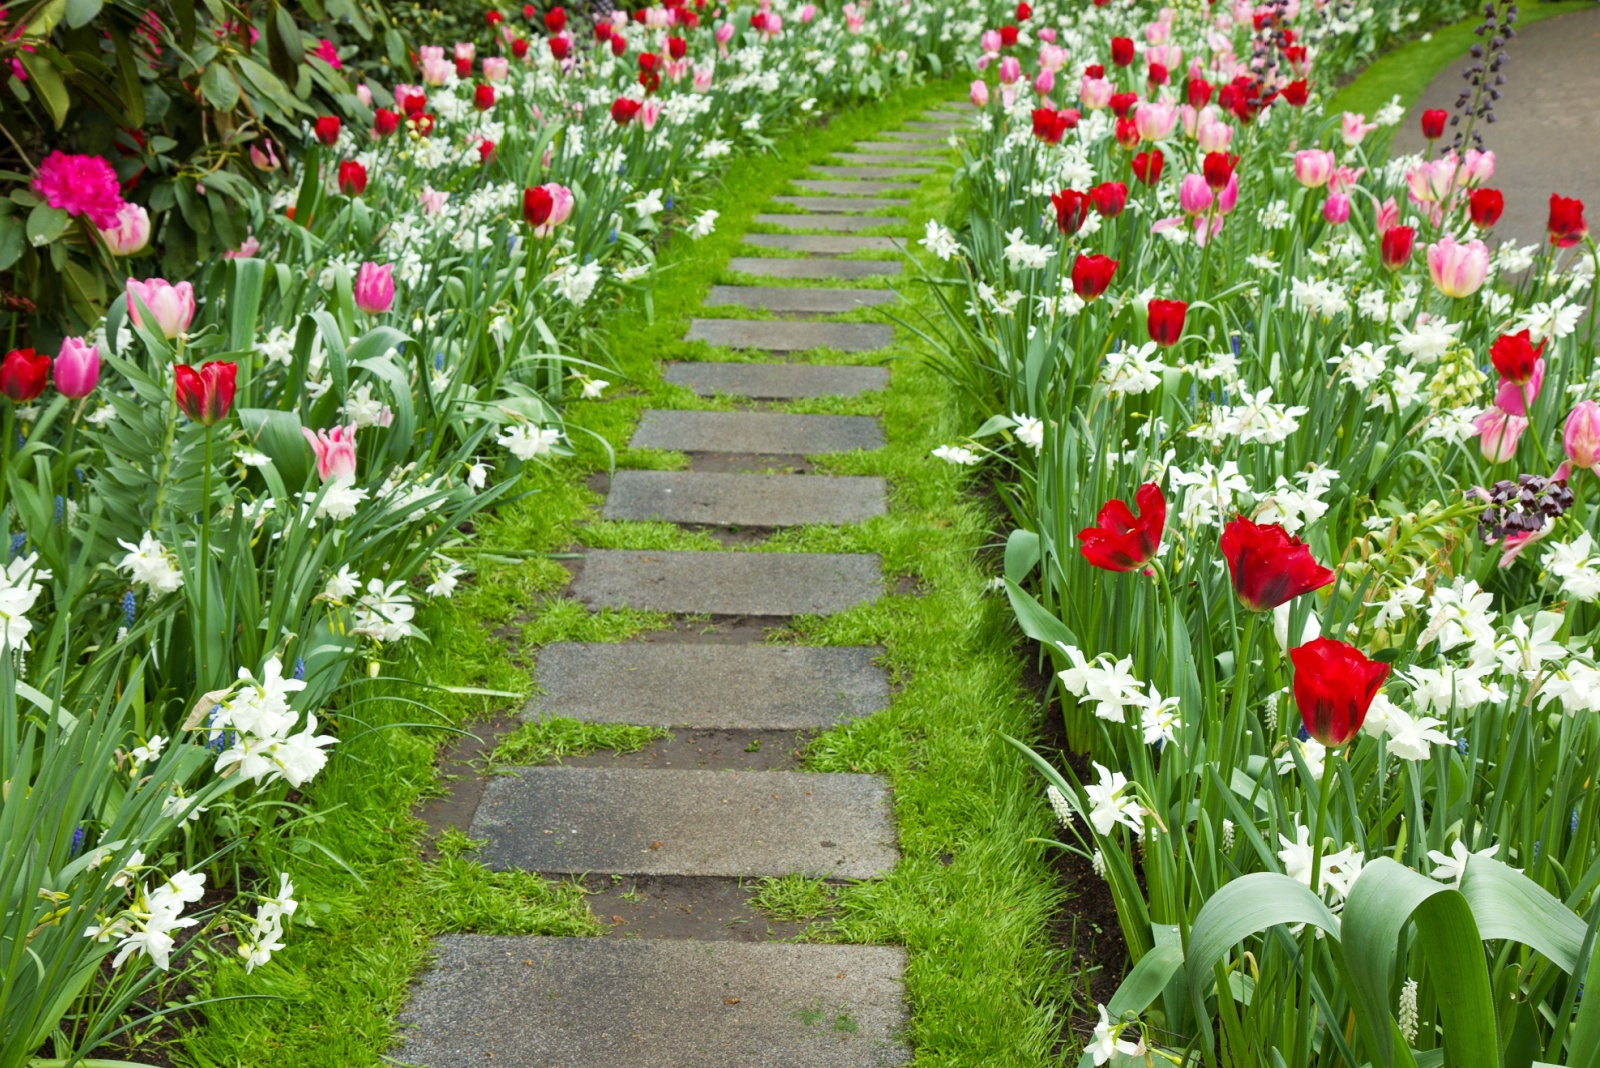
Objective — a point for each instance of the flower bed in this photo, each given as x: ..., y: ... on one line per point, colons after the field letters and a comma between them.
x: 1334, y: 667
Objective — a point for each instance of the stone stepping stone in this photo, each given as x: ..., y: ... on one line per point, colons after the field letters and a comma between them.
x: 775, y: 268
x: 528, y: 1002
x: 873, y: 172
x: 729, y: 583
x: 769, y: 433
x: 792, y: 300
x: 787, y: 335
x: 830, y: 222
x: 837, y: 204
x: 657, y: 821
x: 946, y: 127
x: 918, y: 136
x: 878, y: 158
x: 743, y: 500
x: 829, y: 185
x: 710, y: 687
x: 826, y: 244
x: 903, y: 149
x: 951, y: 116
x: 777, y: 381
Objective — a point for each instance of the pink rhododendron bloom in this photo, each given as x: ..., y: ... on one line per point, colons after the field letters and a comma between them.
x: 1458, y: 270
x: 374, y: 288
x: 335, y: 450
x: 131, y: 232
x: 328, y: 54
x: 1498, y: 434
x: 80, y: 185
x: 980, y: 93
x: 1313, y: 167
x: 1354, y: 127
x: 171, y: 307
x: 1155, y: 121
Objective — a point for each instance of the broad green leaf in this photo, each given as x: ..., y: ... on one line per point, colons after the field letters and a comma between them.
x: 1022, y: 554
x: 278, y: 435
x: 1507, y: 904
x: 1036, y: 622
x: 79, y: 12
x: 45, y: 224
x: 1145, y: 982
x: 13, y: 239
x: 218, y: 86
x: 48, y: 85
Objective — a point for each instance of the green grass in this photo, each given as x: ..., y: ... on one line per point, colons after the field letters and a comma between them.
x: 549, y: 740
x: 1407, y: 70
x: 972, y: 900
x: 793, y: 898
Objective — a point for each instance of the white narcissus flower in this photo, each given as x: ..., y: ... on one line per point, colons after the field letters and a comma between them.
x: 149, y: 751
x: 385, y: 614
x: 527, y: 441
x: 1450, y: 867
x: 19, y: 590
x: 940, y: 241
x: 478, y: 476
x: 150, y: 564
x: 1108, y: 805
x: 342, y: 586
x: 955, y: 454
x: 1029, y: 431
x: 593, y: 388
x: 703, y: 225
x: 1105, y: 1043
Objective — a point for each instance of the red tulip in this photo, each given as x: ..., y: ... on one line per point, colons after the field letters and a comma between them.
x: 1268, y: 566
x: 493, y: 18
x: 1218, y: 168
x: 1008, y: 36
x: 1091, y: 275
x: 1147, y: 166
x: 1094, y: 70
x: 537, y: 203
x: 483, y: 96
x: 385, y: 122
x: 23, y: 374
x: 555, y: 20
x: 1051, y: 126
x: 463, y: 68
x: 485, y: 150
x: 1122, y: 51
x: 623, y: 111
x: 602, y: 31
x: 205, y: 395
x: 1127, y: 133
x: 1397, y: 242
x: 1165, y: 321
x: 1199, y: 93
x: 1109, y: 198
x: 1157, y: 74
x: 1294, y: 94
x: 519, y: 48
x: 422, y: 123
x: 352, y: 178
x: 328, y: 129
x: 411, y: 101
x: 1072, y: 207
x: 619, y: 44
x: 677, y: 47
x: 1334, y: 685
x: 559, y: 48
x: 1566, y: 225
x: 1122, y: 103
x: 1433, y: 121
x: 1486, y: 207
x: 1024, y: 12
x: 1515, y: 356
x: 1120, y: 541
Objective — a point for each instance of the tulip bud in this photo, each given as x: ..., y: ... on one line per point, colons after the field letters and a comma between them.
x: 374, y: 288
x: 131, y: 232
x: 23, y: 374
x: 1397, y: 242
x: 327, y: 129
x: 205, y: 395
x: 1581, y: 438
x: 171, y: 306
x: 1336, y: 209
x: 1433, y: 121
x: 980, y: 93
x: 77, y: 368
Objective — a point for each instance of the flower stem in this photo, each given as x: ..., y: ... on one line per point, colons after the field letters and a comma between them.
x: 202, y: 643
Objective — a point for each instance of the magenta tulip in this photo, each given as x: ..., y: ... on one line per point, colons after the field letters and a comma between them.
x: 77, y: 368
x: 374, y: 290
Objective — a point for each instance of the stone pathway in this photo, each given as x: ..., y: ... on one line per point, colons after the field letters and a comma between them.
x: 714, y: 990
x: 1545, y: 136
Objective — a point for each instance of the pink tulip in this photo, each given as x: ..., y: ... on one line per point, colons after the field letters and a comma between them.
x: 724, y: 34
x: 1211, y: 134
x: 1194, y: 195
x: 980, y: 93
x: 1010, y: 70
x: 1514, y: 399
x: 1051, y: 57
x: 659, y: 18
x: 1336, y: 209
x: 1155, y: 121
x: 1344, y: 179
x: 374, y: 289
x: 990, y: 41
x: 131, y: 232
x: 1476, y: 168
x: 1458, y: 270
x: 1354, y: 127
x: 171, y: 307
x: 1429, y: 181
x: 364, y: 95
x: 1048, y: 34
x: 466, y: 50
x: 263, y: 157
x: 432, y: 200
x: 246, y: 250
x: 1096, y: 93
x: 437, y: 71
x: 1581, y: 437
x: 77, y: 368
x: 1388, y: 216
x: 335, y: 450
x: 1228, y: 197
x: 1498, y: 434
x: 1045, y: 83
x: 650, y: 113
x: 702, y: 79
x: 496, y: 68
x: 855, y: 23
x: 1313, y: 167
x: 808, y: 13
x: 1157, y: 32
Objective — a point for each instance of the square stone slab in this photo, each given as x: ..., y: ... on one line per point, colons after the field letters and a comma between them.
x: 884, y: 159
x: 903, y: 149
x: 824, y: 244
x: 743, y: 500
x: 773, y: 433
x: 656, y: 821
x: 946, y: 127
x: 775, y: 268
x: 728, y: 583
x: 778, y: 335
x: 826, y: 185
x: 526, y: 1002
x: 777, y: 381
x: 710, y: 687
x: 795, y: 301
x: 926, y: 137
x: 838, y: 204
x: 873, y: 172
x: 830, y: 222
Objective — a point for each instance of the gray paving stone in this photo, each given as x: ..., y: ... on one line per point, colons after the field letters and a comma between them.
x: 904, y: 149
x: 729, y: 583
x: 837, y: 204
x: 792, y: 299
x: 777, y: 381
x: 787, y: 335
x: 710, y: 687
x: 743, y: 500
x: 775, y: 268
x: 873, y: 172
x: 967, y: 117
x: 945, y: 127
x: 658, y: 821
x: 774, y: 433
x: 527, y: 1002
x: 830, y: 222
x: 883, y: 159
x: 827, y: 185
x: 919, y: 136
x: 826, y: 244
